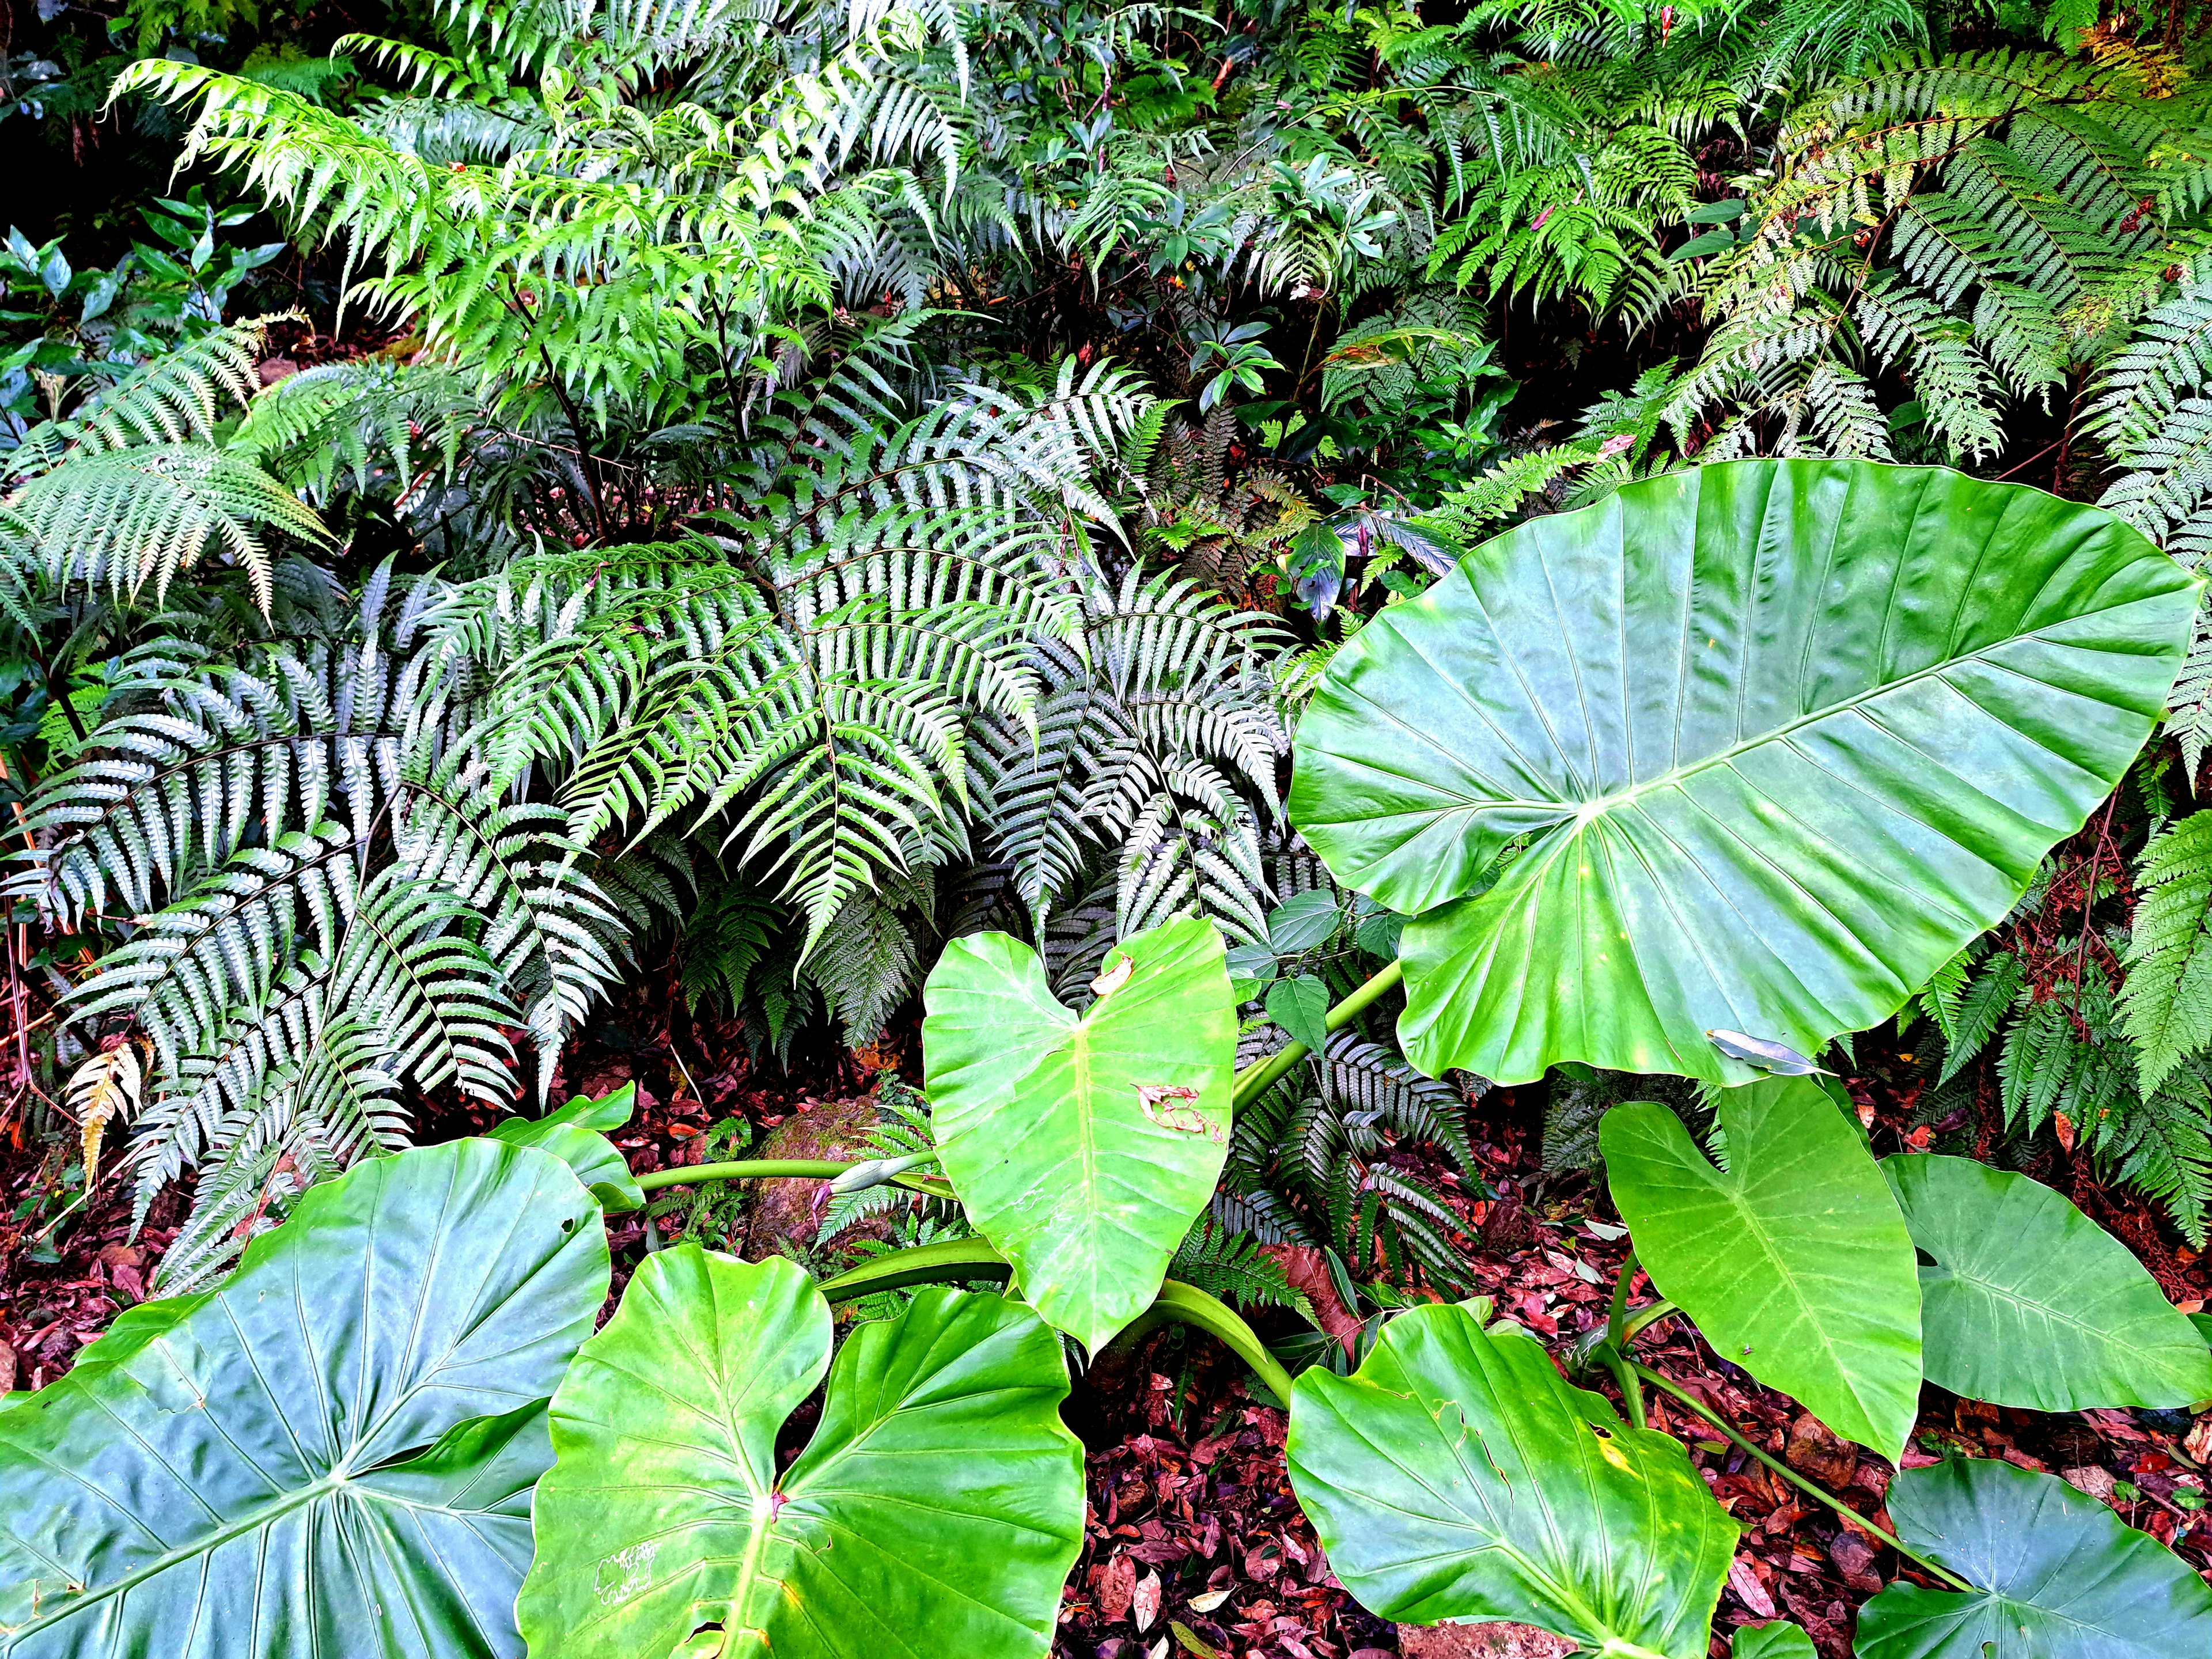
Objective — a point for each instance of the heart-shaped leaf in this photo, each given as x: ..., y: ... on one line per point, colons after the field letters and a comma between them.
x: 1300, y: 1006
x: 1456, y: 1475
x: 1785, y: 736
x: 333, y: 1452
x: 937, y: 1507
x: 1303, y: 922
x: 577, y: 1136
x: 2058, y: 1576
x: 1082, y: 1148
x: 2029, y: 1303
x: 1794, y: 1261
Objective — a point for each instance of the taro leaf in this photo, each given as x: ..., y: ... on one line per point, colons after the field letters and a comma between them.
x: 1302, y: 922
x: 2059, y: 1575
x: 1456, y: 1475
x: 576, y: 1135
x: 2029, y: 1303
x: 937, y: 1509
x: 1778, y: 1639
x: 333, y: 1452
x: 1785, y: 736
x: 1082, y: 1148
x: 1794, y: 1261
x: 1300, y: 1006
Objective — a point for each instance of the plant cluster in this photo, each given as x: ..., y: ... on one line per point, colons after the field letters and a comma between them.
x: 519, y: 1481
x: 1000, y: 505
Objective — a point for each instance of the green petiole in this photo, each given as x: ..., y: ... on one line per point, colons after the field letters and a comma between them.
x: 1791, y: 1476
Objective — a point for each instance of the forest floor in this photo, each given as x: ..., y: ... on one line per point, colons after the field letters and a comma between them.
x: 1196, y: 1545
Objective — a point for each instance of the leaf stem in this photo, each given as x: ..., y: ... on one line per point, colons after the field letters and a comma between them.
x: 958, y: 1259
x: 782, y: 1169
x: 1616, y: 1343
x: 952, y: 1260
x: 1186, y: 1304
x: 1793, y: 1477
x: 1260, y: 1076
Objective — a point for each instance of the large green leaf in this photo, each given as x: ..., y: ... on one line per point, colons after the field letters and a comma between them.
x: 937, y: 1509
x: 1793, y: 1261
x: 332, y: 1453
x: 2058, y: 1576
x: 1775, y: 1640
x: 1785, y: 735
x: 2029, y: 1303
x: 1455, y: 1476
x: 1065, y: 1138
x: 577, y: 1135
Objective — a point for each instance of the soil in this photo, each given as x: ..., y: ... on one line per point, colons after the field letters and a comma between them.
x: 1194, y: 1544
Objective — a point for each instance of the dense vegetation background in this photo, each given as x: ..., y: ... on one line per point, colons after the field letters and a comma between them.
x: 544, y: 541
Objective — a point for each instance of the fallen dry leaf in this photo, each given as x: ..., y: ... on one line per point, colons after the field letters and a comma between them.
x: 1146, y: 1603
x: 1743, y: 1579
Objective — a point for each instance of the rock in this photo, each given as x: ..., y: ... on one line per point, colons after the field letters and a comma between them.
x: 1117, y: 1589
x: 1813, y: 1450
x: 1490, y: 1641
x: 2097, y: 1482
x: 792, y: 1210
x: 274, y: 369
x: 7, y: 1368
x: 1854, y: 1557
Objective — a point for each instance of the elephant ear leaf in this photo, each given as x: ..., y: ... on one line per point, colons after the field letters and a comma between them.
x: 1776, y: 1639
x: 1456, y: 1475
x: 2055, y: 1575
x: 940, y: 1498
x: 1779, y: 738
x: 2026, y: 1302
x: 577, y: 1136
x: 1084, y: 1147
x: 334, y: 1451
x: 1794, y: 1261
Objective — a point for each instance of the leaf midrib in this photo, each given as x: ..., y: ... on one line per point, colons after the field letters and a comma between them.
x: 207, y: 1544
x: 1591, y: 807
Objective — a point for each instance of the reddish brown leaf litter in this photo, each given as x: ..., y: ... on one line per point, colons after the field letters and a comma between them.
x: 1194, y: 1544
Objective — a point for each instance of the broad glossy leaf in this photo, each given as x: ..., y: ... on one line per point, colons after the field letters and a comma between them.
x: 1785, y: 735
x: 2029, y: 1303
x: 333, y: 1452
x: 1794, y: 1261
x: 577, y: 1136
x: 937, y: 1509
x: 2058, y: 1576
x: 1071, y: 1140
x: 1456, y: 1476
x: 1776, y: 1639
